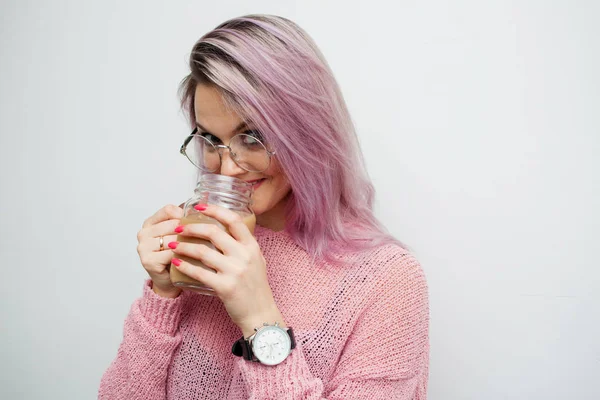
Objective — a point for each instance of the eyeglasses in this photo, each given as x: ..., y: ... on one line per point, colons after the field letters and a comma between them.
x: 247, y: 151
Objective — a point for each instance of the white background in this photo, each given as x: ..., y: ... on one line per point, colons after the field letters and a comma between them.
x: 479, y: 121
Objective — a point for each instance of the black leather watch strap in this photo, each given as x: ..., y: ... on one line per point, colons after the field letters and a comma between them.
x: 242, y: 347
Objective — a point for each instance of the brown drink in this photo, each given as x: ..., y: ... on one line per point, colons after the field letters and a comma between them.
x: 183, y: 281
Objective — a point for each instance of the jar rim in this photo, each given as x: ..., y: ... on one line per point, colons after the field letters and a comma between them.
x: 223, y: 178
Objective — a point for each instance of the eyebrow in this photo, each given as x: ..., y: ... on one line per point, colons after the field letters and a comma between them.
x: 240, y: 126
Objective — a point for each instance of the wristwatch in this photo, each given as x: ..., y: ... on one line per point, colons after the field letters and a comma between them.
x: 269, y: 344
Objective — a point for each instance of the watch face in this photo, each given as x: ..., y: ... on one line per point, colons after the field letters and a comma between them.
x: 271, y: 345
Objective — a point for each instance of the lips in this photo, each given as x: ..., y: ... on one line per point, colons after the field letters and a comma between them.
x: 256, y: 183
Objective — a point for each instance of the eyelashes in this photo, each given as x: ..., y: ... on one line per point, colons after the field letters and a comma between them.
x: 210, y: 137
x: 250, y: 132
x: 256, y: 134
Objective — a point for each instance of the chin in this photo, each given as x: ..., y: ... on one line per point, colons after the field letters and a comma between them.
x: 260, y: 207
x: 270, y: 196
x: 257, y: 210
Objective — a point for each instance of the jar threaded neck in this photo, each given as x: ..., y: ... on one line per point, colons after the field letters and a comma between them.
x: 224, y: 190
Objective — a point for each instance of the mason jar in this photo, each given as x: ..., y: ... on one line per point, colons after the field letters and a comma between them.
x: 225, y: 191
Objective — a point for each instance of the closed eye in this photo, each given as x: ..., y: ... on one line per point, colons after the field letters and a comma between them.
x: 212, y: 138
x: 255, y: 133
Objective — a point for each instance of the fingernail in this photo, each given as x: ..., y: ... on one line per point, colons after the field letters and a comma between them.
x: 200, y: 207
x: 173, y: 245
x: 179, y: 229
x: 176, y: 262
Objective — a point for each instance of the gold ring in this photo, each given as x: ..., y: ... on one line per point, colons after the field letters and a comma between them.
x: 161, y: 244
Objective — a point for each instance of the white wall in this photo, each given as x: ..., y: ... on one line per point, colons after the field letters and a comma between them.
x: 479, y: 121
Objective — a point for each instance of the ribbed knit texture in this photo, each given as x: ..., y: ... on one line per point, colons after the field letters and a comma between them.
x: 361, y: 333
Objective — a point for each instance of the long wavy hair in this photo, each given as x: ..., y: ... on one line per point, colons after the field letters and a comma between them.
x: 270, y: 72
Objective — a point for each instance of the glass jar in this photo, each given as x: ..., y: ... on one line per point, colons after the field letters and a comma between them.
x: 232, y: 193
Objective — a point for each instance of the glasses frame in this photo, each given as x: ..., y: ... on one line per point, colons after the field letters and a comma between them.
x: 220, y: 148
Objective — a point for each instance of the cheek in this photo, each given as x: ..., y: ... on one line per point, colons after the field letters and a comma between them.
x: 273, y: 190
x: 274, y: 170
x: 276, y: 177
x: 279, y: 183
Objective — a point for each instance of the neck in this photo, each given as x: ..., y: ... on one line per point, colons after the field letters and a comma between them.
x: 274, y: 219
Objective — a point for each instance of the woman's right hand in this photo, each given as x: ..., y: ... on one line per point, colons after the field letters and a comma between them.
x: 156, y: 262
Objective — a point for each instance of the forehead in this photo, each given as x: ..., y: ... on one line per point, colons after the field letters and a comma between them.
x: 211, y: 112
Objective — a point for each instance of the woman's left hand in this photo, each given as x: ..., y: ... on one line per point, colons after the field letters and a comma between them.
x: 241, y: 279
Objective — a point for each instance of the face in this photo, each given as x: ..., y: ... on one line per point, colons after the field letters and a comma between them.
x: 271, y: 188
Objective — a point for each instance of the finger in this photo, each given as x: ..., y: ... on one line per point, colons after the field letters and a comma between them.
x: 219, y: 238
x: 157, y: 262
x: 209, y: 257
x: 161, y: 229
x: 167, y: 212
x: 232, y: 220
x: 152, y: 244
x: 164, y: 257
x: 166, y: 240
x: 203, y: 275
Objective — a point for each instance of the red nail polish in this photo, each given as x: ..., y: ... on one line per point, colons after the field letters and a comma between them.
x: 179, y: 229
x: 173, y: 245
x: 200, y: 207
x: 176, y: 262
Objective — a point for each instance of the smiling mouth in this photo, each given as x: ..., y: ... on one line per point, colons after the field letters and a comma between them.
x: 257, y: 183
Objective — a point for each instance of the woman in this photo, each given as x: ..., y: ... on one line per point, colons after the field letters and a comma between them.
x: 318, y: 260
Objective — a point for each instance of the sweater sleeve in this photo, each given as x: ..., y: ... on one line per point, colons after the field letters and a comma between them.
x: 150, y: 338
x: 385, y: 357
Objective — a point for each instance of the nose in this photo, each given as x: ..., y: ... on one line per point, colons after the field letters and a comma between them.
x: 228, y: 166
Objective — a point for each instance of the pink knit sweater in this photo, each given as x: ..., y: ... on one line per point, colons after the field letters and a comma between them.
x: 361, y: 333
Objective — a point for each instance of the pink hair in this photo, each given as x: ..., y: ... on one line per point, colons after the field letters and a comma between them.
x: 270, y: 72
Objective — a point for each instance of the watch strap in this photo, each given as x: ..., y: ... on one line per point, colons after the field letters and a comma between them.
x: 243, y: 348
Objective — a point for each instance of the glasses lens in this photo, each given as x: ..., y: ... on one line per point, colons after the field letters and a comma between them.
x: 203, y: 154
x: 249, y: 153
